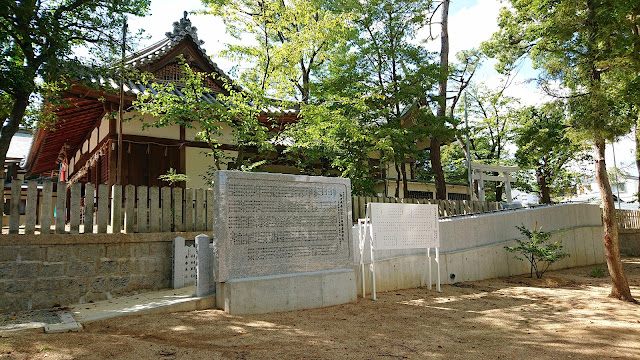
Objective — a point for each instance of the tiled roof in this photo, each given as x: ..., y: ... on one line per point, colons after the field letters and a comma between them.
x: 158, y: 50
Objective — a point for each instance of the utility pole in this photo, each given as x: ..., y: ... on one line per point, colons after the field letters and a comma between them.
x: 121, y: 107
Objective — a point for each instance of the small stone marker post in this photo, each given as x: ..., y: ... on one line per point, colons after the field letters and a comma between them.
x: 205, y: 285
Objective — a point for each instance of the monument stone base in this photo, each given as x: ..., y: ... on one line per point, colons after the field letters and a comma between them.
x: 275, y: 293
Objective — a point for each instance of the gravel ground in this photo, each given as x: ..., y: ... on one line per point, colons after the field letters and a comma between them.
x: 567, y: 314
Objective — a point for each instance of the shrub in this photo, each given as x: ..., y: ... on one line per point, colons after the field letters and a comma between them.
x: 540, y: 253
x: 596, y: 272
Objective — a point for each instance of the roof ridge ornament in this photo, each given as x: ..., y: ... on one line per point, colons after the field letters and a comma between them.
x: 182, y: 28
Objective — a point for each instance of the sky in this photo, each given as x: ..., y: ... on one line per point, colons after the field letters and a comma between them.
x: 470, y: 23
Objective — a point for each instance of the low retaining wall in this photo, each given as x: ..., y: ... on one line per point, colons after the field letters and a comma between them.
x: 58, y: 270
x: 630, y: 242
x: 472, y: 248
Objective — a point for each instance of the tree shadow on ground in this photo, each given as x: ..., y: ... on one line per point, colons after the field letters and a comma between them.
x: 567, y: 315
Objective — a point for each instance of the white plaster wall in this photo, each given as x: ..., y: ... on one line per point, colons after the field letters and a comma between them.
x: 104, y: 128
x: 94, y: 139
x: 472, y: 247
x: 197, y: 164
x: 226, y: 138
x: 134, y: 127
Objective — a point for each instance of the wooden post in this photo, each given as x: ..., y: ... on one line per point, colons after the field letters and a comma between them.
x: 14, y: 208
x: 210, y: 203
x: 116, y: 209
x: 199, y: 210
x: 154, y: 209
x: 89, y: 201
x: 31, y: 208
x: 103, y: 208
x: 166, y: 209
x: 74, y: 210
x: 177, y: 209
x: 61, y: 207
x: 129, y: 208
x: 188, y: 210
x: 143, y: 224
x: 45, y: 210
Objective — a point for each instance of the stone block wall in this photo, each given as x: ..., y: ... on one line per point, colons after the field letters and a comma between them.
x: 42, y: 271
x: 630, y: 242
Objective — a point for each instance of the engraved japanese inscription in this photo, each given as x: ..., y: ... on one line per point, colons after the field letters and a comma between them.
x: 271, y: 224
x: 404, y: 226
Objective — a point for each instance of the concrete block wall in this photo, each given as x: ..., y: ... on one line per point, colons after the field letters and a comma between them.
x: 472, y: 248
x: 57, y: 270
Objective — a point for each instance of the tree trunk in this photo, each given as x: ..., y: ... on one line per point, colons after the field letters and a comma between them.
x: 438, y: 174
x: 397, y: 179
x: 15, y: 119
x: 638, y: 156
x: 436, y: 161
x: 405, y: 188
x: 545, y: 192
x: 620, y: 285
x: 498, y: 188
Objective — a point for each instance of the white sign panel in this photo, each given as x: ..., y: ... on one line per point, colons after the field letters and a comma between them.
x: 404, y: 226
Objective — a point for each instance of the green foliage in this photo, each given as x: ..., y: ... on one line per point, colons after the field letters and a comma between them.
x: 596, y: 272
x: 37, y: 41
x: 173, y: 177
x: 536, y: 250
x: 336, y: 135
x: 454, y: 165
x: 292, y: 41
x: 234, y: 109
x: 586, y: 48
x: 371, y: 100
x: 545, y: 153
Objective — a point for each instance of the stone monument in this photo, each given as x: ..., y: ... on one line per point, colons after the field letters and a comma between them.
x: 287, y: 234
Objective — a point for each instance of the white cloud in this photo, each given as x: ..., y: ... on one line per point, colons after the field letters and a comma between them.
x: 164, y: 13
x: 468, y: 27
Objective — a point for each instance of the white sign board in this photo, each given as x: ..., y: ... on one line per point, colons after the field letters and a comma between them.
x: 404, y: 226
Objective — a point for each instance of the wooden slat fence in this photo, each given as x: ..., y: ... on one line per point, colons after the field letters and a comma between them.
x: 447, y: 207
x: 63, y: 208
x: 628, y: 219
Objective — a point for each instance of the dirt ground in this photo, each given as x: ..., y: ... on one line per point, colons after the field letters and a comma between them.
x: 567, y: 314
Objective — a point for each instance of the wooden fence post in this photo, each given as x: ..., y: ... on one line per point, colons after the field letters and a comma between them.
x: 45, y: 209
x: 89, y: 201
x: 143, y: 223
x: 177, y: 209
x: 103, y: 208
x: 116, y: 209
x: 129, y: 208
x: 199, y: 210
x: 210, y: 204
x: 154, y: 209
x: 14, y: 208
x: 74, y: 210
x: 61, y: 207
x: 31, y: 208
x: 188, y: 209
x: 166, y: 208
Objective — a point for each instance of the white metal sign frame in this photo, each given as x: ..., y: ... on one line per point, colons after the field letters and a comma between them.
x: 412, y: 226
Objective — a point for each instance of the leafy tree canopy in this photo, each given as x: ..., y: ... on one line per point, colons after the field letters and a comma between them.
x: 37, y: 39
